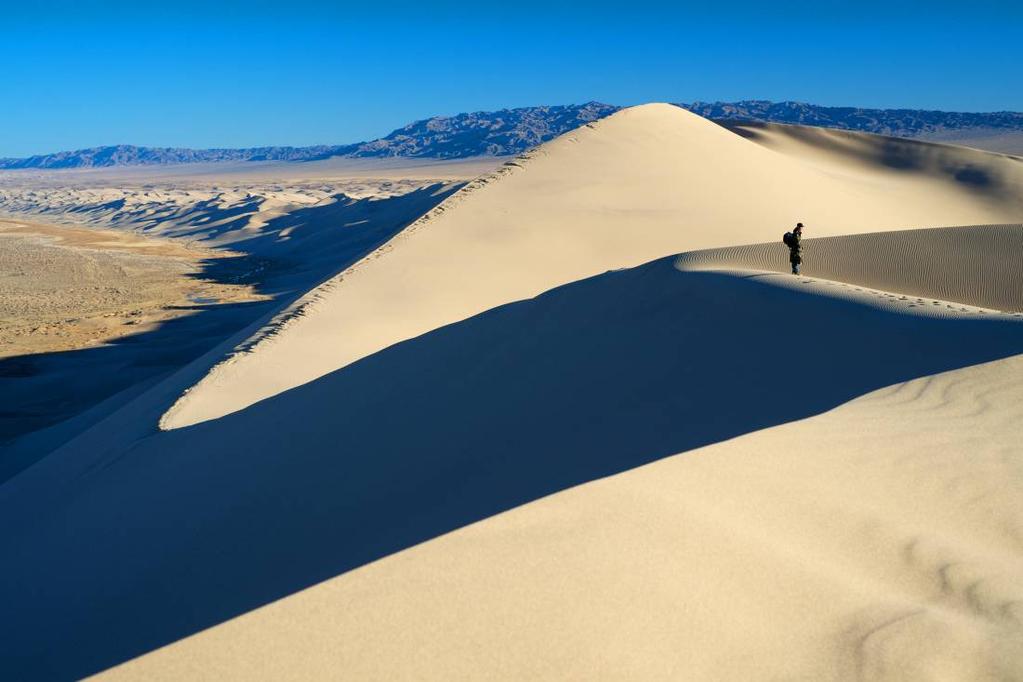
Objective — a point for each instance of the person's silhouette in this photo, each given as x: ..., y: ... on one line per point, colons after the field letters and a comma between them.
x: 795, y: 245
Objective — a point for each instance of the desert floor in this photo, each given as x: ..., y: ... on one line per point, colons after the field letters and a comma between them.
x: 64, y: 287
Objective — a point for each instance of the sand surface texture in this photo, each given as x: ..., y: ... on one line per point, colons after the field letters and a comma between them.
x: 879, y: 541
x: 978, y: 265
x: 525, y: 438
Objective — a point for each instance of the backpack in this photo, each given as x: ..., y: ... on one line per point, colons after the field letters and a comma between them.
x: 789, y: 239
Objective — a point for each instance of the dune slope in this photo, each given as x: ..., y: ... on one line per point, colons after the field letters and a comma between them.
x: 637, y: 185
x: 978, y: 265
x: 179, y: 530
x: 877, y: 542
x: 288, y: 247
x: 899, y: 162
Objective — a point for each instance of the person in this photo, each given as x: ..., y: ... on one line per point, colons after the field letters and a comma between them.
x: 795, y: 245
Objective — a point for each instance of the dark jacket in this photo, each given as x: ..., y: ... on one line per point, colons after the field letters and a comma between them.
x: 796, y: 248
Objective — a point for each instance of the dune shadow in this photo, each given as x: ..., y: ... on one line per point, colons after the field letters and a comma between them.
x: 960, y: 166
x: 972, y: 175
x: 44, y: 389
x: 291, y: 254
x: 191, y: 527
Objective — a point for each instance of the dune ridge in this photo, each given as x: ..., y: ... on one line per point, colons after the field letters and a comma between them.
x: 977, y: 265
x: 269, y: 251
x: 306, y: 303
x: 637, y: 185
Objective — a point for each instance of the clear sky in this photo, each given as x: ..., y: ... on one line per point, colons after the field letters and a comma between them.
x: 234, y: 74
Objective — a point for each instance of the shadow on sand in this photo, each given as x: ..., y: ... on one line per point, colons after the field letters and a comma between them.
x: 41, y: 390
x: 289, y: 255
x: 896, y: 153
x: 188, y: 528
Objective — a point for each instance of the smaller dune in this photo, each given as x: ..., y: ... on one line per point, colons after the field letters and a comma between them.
x: 977, y: 265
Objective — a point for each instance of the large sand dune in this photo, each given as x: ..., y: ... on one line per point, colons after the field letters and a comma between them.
x: 585, y: 381
x: 640, y: 184
x: 878, y: 542
x: 526, y: 439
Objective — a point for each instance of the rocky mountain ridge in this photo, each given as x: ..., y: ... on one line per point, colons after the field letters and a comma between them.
x: 513, y: 131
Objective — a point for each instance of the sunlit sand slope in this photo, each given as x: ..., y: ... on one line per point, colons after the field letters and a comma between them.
x: 981, y: 265
x: 644, y: 183
x: 877, y: 541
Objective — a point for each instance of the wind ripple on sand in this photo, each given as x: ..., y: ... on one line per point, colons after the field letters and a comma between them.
x: 977, y: 265
x: 952, y: 608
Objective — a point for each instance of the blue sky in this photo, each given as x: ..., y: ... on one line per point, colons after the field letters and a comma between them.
x: 233, y: 74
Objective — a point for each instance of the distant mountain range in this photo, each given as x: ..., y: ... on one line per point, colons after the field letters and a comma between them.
x: 513, y: 131
x: 894, y: 122
x: 483, y: 133
x: 130, y: 155
x: 491, y: 133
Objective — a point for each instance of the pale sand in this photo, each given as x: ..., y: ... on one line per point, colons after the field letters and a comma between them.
x: 990, y: 139
x: 872, y: 542
x: 896, y: 161
x: 994, y: 140
x: 978, y: 266
x: 255, y: 173
x: 642, y: 183
x: 800, y: 536
x: 880, y: 541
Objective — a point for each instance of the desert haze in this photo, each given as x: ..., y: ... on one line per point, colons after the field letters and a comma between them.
x: 563, y: 415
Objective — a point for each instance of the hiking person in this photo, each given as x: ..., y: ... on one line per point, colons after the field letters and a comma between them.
x: 794, y: 240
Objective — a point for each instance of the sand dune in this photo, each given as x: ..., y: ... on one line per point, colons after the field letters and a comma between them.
x: 638, y: 185
x: 524, y: 438
x: 991, y: 139
x: 979, y: 265
x: 897, y: 162
x: 100, y: 318
x: 879, y: 541
x: 284, y: 212
x: 244, y: 217
x: 586, y: 381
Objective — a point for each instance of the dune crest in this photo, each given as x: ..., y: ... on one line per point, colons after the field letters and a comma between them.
x: 643, y: 183
x: 978, y: 265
